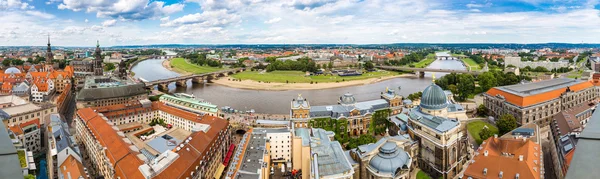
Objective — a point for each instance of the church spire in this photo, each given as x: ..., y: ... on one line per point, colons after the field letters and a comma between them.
x: 48, y: 39
x: 97, y: 43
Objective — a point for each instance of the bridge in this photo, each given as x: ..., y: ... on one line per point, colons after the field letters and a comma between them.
x: 162, y: 56
x: 196, y: 78
x: 421, y: 71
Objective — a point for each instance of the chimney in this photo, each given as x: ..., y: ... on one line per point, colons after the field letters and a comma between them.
x: 500, y: 175
x: 484, y: 171
x: 495, y: 135
x: 485, y: 153
x: 520, y: 158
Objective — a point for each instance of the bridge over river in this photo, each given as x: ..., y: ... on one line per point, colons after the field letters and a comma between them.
x: 196, y: 78
x: 422, y: 71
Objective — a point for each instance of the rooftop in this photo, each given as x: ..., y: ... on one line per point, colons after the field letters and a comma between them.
x: 72, y: 168
x: 587, y: 155
x: 100, y: 87
x: 567, y: 119
x: 440, y: 124
x: 506, y: 157
x: 255, y: 151
x: 9, y: 160
x: 528, y: 94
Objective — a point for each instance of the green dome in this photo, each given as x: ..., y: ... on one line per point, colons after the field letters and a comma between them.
x: 434, y: 98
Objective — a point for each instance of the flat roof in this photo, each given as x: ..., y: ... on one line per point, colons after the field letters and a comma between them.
x: 587, y: 155
x: 540, y: 86
x: 252, y: 162
x: 11, y: 166
x: 15, y: 110
x: 14, y: 100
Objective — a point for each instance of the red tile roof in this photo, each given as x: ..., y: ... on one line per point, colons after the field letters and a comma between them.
x: 503, y: 156
x: 72, y: 168
x: 537, y: 98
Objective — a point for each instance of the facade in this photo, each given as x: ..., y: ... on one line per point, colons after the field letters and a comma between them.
x: 37, y: 83
x: 114, y: 155
x: 280, y: 144
x: 514, y: 70
x: 388, y: 158
x: 106, y: 91
x: 41, y: 90
x: 538, y: 102
x: 516, y: 61
x: 29, y: 133
x: 442, y: 141
x: 81, y: 70
x: 318, y: 156
x: 15, y: 110
x: 357, y: 114
x: 395, y: 100
x: 565, y: 130
x: 190, y: 103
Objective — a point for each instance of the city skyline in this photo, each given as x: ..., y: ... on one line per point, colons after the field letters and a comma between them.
x: 143, y: 22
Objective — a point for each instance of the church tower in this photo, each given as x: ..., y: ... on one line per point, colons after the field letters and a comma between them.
x: 49, y: 55
x: 98, y: 70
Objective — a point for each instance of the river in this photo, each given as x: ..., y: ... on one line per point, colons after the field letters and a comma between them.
x: 278, y: 102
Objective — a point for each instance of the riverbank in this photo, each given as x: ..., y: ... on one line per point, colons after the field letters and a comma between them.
x: 167, y: 65
x: 254, y: 85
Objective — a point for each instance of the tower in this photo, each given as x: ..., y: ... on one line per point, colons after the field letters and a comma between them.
x: 98, y: 71
x: 49, y: 55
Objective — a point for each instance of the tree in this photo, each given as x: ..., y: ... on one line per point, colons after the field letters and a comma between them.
x: 506, y: 123
x: 485, y: 133
x: 466, y: 85
x: 109, y: 66
x: 330, y: 65
x: 369, y: 65
x: 487, y: 80
x: 482, y: 110
x: 453, y: 89
x: 6, y: 62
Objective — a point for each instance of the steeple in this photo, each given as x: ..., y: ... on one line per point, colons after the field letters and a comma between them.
x: 97, y: 43
x: 48, y: 39
x: 49, y: 55
x: 98, y: 71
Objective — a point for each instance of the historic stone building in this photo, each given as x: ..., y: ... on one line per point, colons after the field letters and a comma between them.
x: 105, y: 91
x: 86, y: 67
x: 443, y: 142
x: 388, y: 158
x: 538, y: 102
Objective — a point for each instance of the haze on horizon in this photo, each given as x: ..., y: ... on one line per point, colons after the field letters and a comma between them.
x: 145, y: 22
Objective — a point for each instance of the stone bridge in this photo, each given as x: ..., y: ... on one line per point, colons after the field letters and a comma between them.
x: 163, y: 84
x: 162, y: 56
x: 421, y: 71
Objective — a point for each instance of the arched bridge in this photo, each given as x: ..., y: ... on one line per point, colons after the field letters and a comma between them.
x: 423, y: 70
x: 196, y: 78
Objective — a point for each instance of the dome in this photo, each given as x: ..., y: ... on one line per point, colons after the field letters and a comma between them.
x: 390, y: 159
x: 12, y: 70
x: 347, y: 98
x: 434, y: 98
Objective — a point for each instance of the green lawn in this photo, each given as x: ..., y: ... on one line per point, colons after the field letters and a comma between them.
x: 299, y: 77
x: 425, y: 62
x: 182, y: 65
x: 21, y: 154
x: 474, y: 65
x: 475, y: 126
x: 422, y: 175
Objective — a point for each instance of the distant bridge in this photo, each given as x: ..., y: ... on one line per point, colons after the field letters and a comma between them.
x: 196, y: 78
x: 422, y: 71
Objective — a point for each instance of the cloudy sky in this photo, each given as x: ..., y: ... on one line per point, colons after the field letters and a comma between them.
x: 139, y: 22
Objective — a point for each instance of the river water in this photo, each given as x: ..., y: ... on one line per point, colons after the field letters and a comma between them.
x: 278, y: 102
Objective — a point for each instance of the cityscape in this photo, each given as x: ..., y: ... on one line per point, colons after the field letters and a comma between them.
x: 201, y: 89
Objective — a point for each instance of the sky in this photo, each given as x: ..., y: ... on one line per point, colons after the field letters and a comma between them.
x: 144, y: 22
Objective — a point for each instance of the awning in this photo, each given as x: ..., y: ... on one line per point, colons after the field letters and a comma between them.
x: 219, y: 171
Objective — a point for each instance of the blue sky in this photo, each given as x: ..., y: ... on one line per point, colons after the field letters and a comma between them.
x: 138, y: 22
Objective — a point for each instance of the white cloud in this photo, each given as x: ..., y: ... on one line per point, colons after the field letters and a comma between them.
x: 39, y: 14
x: 86, y: 21
x: 14, y: 4
x: 274, y: 20
x: 109, y: 23
x: 205, y: 19
x: 122, y: 9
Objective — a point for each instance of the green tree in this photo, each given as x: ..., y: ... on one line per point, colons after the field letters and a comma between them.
x: 330, y: 65
x: 29, y: 176
x: 369, y: 65
x: 109, y: 66
x: 466, y: 85
x: 482, y: 110
x: 485, y: 133
x: 453, y: 88
x: 506, y: 123
x: 487, y: 80
x: 6, y: 62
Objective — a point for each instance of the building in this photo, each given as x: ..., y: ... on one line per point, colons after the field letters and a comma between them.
x: 256, y: 163
x: 63, y: 155
x: 318, y: 156
x: 565, y: 130
x: 190, y: 103
x: 389, y: 158
x: 395, y: 100
x: 585, y: 159
x: 15, y: 110
x: 516, y: 61
x: 507, y: 158
x: 357, y: 115
x: 115, y: 155
x: 538, y: 102
x: 81, y: 70
x: 38, y: 84
x: 41, y: 90
x: 29, y: 133
x: 105, y: 91
x: 98, y: 70
x: 281, y: 144
x: 514, y: 70
x: 442, y: 140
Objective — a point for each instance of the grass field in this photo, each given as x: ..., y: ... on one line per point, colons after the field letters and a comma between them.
x: 299, y: 77
x: 474, y: 65
x: 422, y: 175
x: 475, y: 127
x: 425, y: 62
x: 183, y: 65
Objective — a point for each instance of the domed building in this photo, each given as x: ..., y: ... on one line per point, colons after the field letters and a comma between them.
x: 388, y: 158
x: 435, y: 125
x: 12, y: 70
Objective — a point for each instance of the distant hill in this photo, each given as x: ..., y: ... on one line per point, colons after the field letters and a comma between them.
x: 378, y: 46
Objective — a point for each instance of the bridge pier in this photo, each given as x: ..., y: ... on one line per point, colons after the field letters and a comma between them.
x: 163, y: 87
x: 198, y: 79
x: 421, y: 74
x: 182, y: 83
